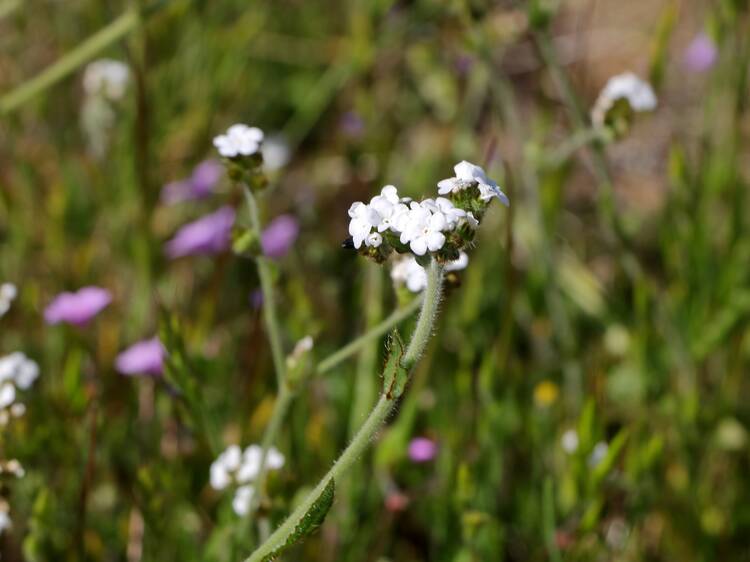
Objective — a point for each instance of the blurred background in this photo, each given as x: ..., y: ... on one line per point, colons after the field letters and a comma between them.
x: 585, y: 395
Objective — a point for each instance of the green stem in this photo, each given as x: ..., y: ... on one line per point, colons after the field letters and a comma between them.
x: 372, y: 424
x: 577, y: 116
x: 269, y: 301
x: 395, y: 318
x: 579, y: 139
x: 286, y: 395
x: 84, y: 52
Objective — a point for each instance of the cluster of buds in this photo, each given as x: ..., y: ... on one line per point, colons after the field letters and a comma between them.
x: 440, y: 227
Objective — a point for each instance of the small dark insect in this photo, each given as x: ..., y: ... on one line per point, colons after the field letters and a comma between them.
x: 348, y: 244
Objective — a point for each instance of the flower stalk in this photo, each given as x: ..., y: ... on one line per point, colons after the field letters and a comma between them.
x: 372, y: 424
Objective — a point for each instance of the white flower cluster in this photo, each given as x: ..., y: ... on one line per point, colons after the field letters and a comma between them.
x: 239, y: 140
x: 443, y: 225
x: 467, y: 175
x: 17, y: 372
x: 406, y: 271
x: 106, y: 77
x: 627, y: 86
x: 8, y: 293
x: 240, y: 468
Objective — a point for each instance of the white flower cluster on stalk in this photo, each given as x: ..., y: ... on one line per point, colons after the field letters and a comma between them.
x: 407, y: 272
x: 622, y: 96
x: 441, y: 227
x: 239, y: 468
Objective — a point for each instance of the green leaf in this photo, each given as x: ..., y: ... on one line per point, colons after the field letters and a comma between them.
x: 310, y: 521
x: 395, y: 374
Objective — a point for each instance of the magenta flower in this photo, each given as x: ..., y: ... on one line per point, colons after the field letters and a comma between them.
x: 279, y: 236
x: 701, y: 54
x: 143, y: 358
x: 210, y: 234
x: 422, y: 449
x: 198, y: 186
x: 77, y: 308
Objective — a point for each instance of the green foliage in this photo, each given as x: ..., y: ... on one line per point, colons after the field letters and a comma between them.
x: 627, y: 324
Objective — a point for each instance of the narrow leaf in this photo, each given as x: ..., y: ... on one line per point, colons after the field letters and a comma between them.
x: 394, y: 373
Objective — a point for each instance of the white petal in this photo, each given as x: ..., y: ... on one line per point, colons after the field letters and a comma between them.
x: 419, y: 246
x: 219, y: 477
x: 435, y: 241
x: 7, y: 395
x: 242, y: 499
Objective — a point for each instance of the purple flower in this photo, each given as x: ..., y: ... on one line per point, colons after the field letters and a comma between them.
x: 77, y: 308
x: 208, y: 235
x: 256, y: 299
x: 422, y: 449
x: 279, y: 236
x: 201, y: 184
x: 143, y: 358
x: 352, y: 125
x: 701, y: 54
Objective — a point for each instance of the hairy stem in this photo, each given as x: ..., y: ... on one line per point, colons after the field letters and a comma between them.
x: 395, y: 318
x: 374, y: 421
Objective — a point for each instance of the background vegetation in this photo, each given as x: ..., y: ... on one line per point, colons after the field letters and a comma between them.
x: 611, y: 298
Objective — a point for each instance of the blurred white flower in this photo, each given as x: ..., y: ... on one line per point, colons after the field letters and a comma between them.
x: 5, y: 522
x: 239, y: 140
x: 222, y: 468
x: 7, y: 395
x: 275, y: 152
x: 18, y: 369
x: 106, y: 77
x: 598, y: 453
x: 569, y: 441
x: 243, y: 497
x: 467, y: 175
x: 8, y: 293
x: 235, y: 466
x: 638, y: 93
x: 406, y: 271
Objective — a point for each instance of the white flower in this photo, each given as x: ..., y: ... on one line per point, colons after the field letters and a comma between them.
x: 239, y: 140
x: 453, y: 214
x: 598, y: 453
x: 406, y: 271
x: 459, y: 263
x: 363, y: 219
x: 107, y: 77
x: 373, y: 240
x: 276, y: 152
x: 19, y: 369
x: 628, y: 86
x: 8, y: 293
x: 569, y: 441
x: 243, y: 497
x: 222, y: 468
x: 468, y: 174
x: 5, y: 522
x: 424, y: 230
x: 7, y: 395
